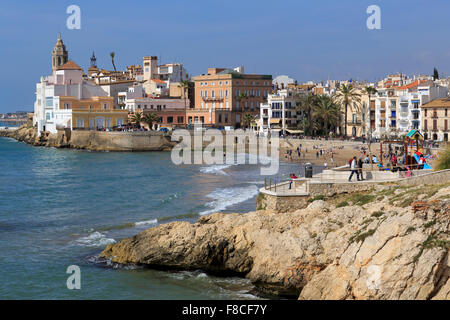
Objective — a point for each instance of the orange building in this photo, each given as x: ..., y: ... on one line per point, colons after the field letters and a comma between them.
x: 96, y: 112
x: 223, y: 96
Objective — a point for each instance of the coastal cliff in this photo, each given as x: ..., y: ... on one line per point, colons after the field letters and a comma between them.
x: 388, y: 243
x: 93, y: 140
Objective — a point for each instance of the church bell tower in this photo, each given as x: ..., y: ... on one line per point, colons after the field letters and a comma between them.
x: 59, y: 54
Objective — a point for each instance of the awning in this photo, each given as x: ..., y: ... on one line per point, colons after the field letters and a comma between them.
x: 275, y: 120
x: 294, y: 131
x: 275, y: 130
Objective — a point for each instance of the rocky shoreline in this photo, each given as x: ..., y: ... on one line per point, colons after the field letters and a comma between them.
x: 388, y: 243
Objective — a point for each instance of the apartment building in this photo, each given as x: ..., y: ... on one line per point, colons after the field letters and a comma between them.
x: 279, y: 113
x: 395, y: 109
x: 223, y: 96
x: 436, y: 119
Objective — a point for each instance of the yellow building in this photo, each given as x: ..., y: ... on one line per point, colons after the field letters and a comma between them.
x: 93, y: 113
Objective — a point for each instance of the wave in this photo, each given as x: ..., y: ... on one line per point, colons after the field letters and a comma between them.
x: 95, y: 239
x: 146, y: 222
x: 215, y: 169
x: 224, y: 198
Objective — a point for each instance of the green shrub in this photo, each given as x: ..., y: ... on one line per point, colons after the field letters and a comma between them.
x: 443, y: 159
x: 377, y: 214
x: 342, y: 204
x: 362, y: 199
x: 318, y: 197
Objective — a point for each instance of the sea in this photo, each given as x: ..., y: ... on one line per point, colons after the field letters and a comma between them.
x: 61, y: 207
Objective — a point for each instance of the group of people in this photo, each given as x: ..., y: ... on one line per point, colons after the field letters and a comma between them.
x: 356, y: 167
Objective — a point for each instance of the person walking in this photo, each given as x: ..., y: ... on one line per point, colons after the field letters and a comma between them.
x: 360, y: 166
x: 353, y: 168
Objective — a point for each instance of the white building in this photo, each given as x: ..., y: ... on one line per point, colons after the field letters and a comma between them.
x: 279, y: 113
x: 67, y: 80
x: 155, y: 104
x: 397, y: 108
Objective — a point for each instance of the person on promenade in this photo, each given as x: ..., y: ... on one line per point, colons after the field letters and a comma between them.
x: 292, y: 176
x: 353, y: 168
x: 360, y: 166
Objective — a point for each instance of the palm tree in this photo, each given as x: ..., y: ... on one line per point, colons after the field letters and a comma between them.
x: 150, y: 118
x: 370, y: 91
x: 184, y: 86
x: 112, y: 54
x: 241, y: 96
x: 347, y: 95
x: 137, y: 119
x: 248, y: 119
x: 306, y: 105
x: 326, y: 111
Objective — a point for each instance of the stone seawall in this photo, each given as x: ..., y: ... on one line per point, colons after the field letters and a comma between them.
x: 120, y: 141
x: 93, y: 140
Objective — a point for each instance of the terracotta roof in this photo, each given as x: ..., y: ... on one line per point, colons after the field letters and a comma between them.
x: 70, y: 65
x: 412, y: 85
x: 438, y: 103
x: 159, y: 81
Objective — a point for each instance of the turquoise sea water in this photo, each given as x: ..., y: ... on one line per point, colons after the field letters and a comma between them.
x: 60, y: 207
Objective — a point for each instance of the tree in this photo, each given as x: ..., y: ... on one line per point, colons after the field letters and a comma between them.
x: 112, y: 54
x: 347, y: 95
x: 137, y: 119
x: 435, y: 74
x: 151, y: 118
x: 184, y: 86
x: 306, y: 105
x: 370, y: 91
x: 326, y: 113
x: 248, y: 120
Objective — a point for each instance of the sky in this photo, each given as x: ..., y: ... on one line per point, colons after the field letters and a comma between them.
x: 306, y: 40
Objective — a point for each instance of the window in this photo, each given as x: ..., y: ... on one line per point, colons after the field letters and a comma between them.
x: 49, y: 101
x: 226, y: 117
x: 180, y: 119
x: 47, y: 116
x: 227, y: 104
x: 220, y: 118
x: 201, y: 93
x: 80, y: 123
x: 169, y: 119
x: 425, y: 125
x: 446, y: 112
x: 213, y: 94
x: 226, y: 93
x: 221, y: 94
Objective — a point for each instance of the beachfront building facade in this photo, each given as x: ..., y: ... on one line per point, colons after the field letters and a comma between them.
x: 395, y: 108
x: 436, y: 119
x: 279, y: 113
x: 68, y: 91
x: 223, y: 96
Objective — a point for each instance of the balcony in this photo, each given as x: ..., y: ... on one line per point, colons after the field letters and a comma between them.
x: 212, y: 99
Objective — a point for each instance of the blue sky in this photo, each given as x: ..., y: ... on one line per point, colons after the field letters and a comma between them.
x: 307, y: 40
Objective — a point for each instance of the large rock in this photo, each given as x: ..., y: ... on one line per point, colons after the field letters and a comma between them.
x: 318, y: 252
